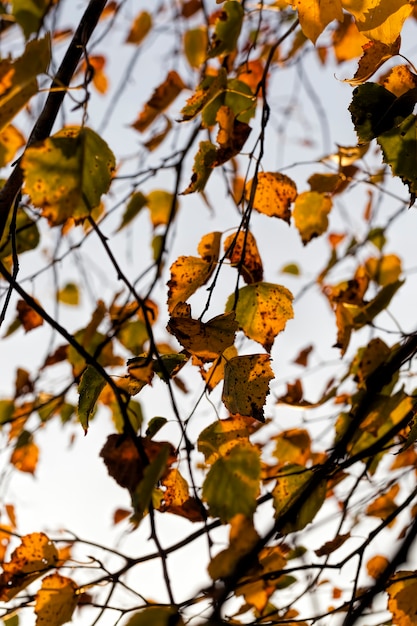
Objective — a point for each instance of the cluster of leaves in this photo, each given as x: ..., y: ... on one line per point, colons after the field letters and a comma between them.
x: 71, y: 182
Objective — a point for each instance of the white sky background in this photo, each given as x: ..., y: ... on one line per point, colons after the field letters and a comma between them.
x: 71, y: 488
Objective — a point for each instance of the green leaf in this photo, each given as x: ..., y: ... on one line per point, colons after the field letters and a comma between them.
x: 195, y: 46
x: 375, y: 110
x: 18, y: 78
x: 6, y: 411
x: 66, y: 174
x: 157, y: 616
x: 310, y: 214
x: 136, y: 203
x: 206, y: 92
x: 27, y: 235
x: 29, y: 14
x: 227, y: 29
x: 142, y: 496
x: 291, y: 487
x: 232, y: 484
x: 246, y: 385
x: 399, y: 147
x: 262, y: 311
x: 155, y: 425
x: 89, y: 389
x: 203, y: 166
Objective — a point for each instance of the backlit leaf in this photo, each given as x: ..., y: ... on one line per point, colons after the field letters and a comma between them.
x: 215, y: 373
x: 347, y: 40
x: 18, y: 78
x: 293, y: 446
x: 399, y: 80
x: 69, y: 294
x: 243, y: 537
x: 375, y: 53
x: 157, y: 616
x: 220, y: 437
x: 384, y: 270
x: 11, y: 139
x: 89, y: 389
x: 246, y: 385
x: 32, y: 558
x: 402, y: 598
x: 381, y: 20
x: 274, y: 194
x: 189, y: 273
x: 207, y: 91
x: 29, y: 14
x: 399, y: 147
x: 196, y: 46
x: 163, y: 96
x: 385, y: 504
x: 160, y: 204
x: 262, y: 311
x: 141, y: 26
x: 25, y: 456
x: 66, y: 174
x: 315, y: 15
x: 227, y: 29
x: 310, y: 214
x: 292, y: 481
x: 205, y: 340
x: 241, y: 250
x: 27, y: 235
x: 55, y: 601
x: 376, y: 566
x: 177, y: 498
x: 28, y: 317
x: 232, y: 483
x: 232, y: 135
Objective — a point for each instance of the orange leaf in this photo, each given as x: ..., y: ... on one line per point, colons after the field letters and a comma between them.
x: 29, y: 318
x: 375, y: 53
x: 55, y: 601
x: 177, y: 499
x: 243, y: 253
x: 25, y: 458
x: 273, y: 195
x: 376, y: 566
x: 35, y: 555
x: 161, y: 98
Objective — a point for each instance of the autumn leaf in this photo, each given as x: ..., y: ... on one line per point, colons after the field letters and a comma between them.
x: 310, y: 214
x: 376, y: 566
x: 232, y: 483
x: 163, y: 96
x: 205, y: 340
x: 384, y: 505
x: 157, y: 616
x: 189, y: 273
x: 315, y: 15
x: 66, y: 175
x: 399, y: 147
x: 18, y: 81
x: 204, y: 163
x: 207, y: 91
x: 196, y: 46
x: 55, y: 601
x: 141, y: 26
x: 274, y: 194
x: 227, y: 29
x: 28, y: 317
x: 291, y: 487
x: 246, y: 385
x: 241, y: 250
x: 177, y: 498
x: 347, y: 40
x: 375, y: 54
x: 243, y: 537
x: 262, y: 311
x: 402, y: 597
x: 219, y: 438
x: 11, y: 139
x: 264, y: 579
x: 399, y: 80
x: 293, y: 446
x: 32, y: 558
x: 25, y: 456
x: 69, y: 294
x: 379, y: 20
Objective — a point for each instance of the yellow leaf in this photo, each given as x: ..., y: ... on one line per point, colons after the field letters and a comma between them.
x: 347, y: 40
x: 274, y: 194
x: 310, y: 214
x: 141, y: 26
x: 258, y: 587
x: 55, y: 601
x: 188, y: 273
x: 215, y: 373
x: 293, y: 446
x: 220, y: 437
x: 205, y: 340
x: 384, y: 505
x: 399, y: 80
x: 161, y: 98
x: 241, y: 250
x: 376, y: 565
x: 35, y: 555
x: 246, y: 385
x: 381, y: 20
x: 11, y: 140
x: 262, y: 311
x: 402, y: 598
x: 69, y: 294
x: 243, y: 537
x: 160, y: 204
x: 177, y: 499
x: 384, y: 270
x: 315, y: 15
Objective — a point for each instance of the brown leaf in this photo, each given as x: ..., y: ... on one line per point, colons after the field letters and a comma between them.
x: 241, y: 250
x: 375, y: 53
x: 29, y: 318
x: 303, y: 355
x: 23, y: 383
x: 231, y: 137
x: 161, y: 98
x: 204, y: 340
x: 331, y: 546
